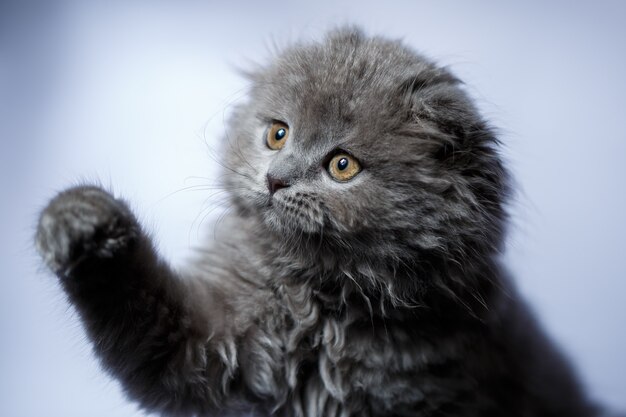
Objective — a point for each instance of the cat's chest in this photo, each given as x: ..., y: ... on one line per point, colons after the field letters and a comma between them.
x: 310, y: 360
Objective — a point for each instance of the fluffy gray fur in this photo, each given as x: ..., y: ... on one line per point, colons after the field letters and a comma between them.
x: 379, y: 296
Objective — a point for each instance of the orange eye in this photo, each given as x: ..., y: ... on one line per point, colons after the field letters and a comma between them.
x: 277, y: 135
x: 343, y: 167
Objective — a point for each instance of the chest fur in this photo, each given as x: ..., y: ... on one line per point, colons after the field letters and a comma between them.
x: 312, y: 363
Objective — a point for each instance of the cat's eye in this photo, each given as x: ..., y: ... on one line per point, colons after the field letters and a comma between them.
x: 343, y: 167
x: 277, y: 135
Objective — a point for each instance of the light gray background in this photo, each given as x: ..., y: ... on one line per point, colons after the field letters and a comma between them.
x: 135, y: 95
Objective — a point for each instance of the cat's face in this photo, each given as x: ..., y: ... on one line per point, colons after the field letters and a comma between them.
x: 365, y: 143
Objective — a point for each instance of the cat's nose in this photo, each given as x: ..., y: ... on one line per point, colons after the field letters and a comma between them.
x: 274, y: 184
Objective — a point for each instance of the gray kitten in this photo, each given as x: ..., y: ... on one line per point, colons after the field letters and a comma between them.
x: 357, y: 274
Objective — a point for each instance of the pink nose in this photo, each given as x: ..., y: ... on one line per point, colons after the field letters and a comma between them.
x: 274, y: 184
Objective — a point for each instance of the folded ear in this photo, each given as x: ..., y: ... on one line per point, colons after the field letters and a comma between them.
x: 420, y: 79
x: 436, y: 104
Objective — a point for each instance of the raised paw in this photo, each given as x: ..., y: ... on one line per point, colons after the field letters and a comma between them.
x: 81, y: 223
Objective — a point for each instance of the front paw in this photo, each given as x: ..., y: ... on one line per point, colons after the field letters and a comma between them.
x: 82, y: 223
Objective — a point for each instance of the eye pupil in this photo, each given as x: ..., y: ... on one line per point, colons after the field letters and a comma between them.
x: 343, y: 167
x: 342, y: 164
x: 280, y: 134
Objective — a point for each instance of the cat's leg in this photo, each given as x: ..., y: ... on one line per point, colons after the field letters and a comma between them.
x: 147, y: 324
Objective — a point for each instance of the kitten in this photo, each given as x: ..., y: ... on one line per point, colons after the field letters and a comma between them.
x: 357, y: 274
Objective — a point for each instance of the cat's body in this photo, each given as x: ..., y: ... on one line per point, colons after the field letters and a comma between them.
x: 376, y: 293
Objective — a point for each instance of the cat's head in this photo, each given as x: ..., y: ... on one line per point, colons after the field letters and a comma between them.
x: 366, y: 148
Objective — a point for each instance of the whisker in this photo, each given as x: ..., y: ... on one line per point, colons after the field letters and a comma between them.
x: 206, y: 211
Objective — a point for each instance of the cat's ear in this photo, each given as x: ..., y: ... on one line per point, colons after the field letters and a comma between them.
x: 421, y: 79
x: 435, y: 105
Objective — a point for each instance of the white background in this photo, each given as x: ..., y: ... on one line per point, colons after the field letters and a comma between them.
x: 135, y: 95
